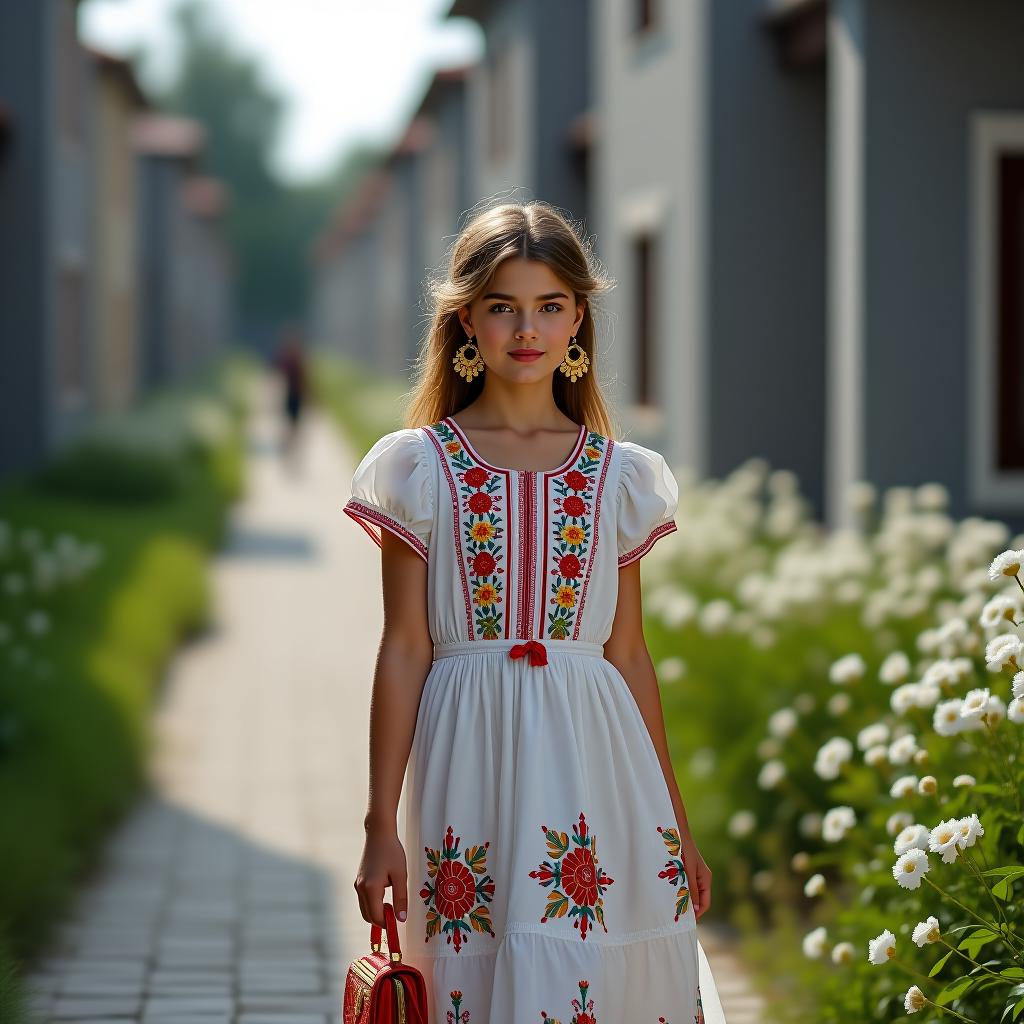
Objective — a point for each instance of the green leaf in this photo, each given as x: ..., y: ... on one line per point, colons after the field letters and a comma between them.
x: 1003, y: 888
x: 939, y: 964
x: 954, y: 990
x: 975, y: 943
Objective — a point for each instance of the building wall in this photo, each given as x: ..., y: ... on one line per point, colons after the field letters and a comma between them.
x: 26, y: 57
x: 766, y: 181
x: 116, y: 327
x: 501, y: 105
x: 915, y: 72
x: 647, y: 180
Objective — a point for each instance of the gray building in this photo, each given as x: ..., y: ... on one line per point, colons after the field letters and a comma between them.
x: 812, y: 211
x: 46, y: 232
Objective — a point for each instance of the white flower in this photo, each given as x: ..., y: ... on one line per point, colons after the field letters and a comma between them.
x: 970, y: 828
x: 905, y: 785
x: 838, y: 704
x: 928, y: 786
x: 944, y: 839
x: 671, y: 668
x: 782, y: 723
x: 877, y: 732
x: 831, y: 757
x: 914, y: 1000
x: 903, y: 698
x: 910, y: 868
x: 999, y: 609
x: 995, y: 710
x: 897, y: 821
x: 815, y: 885
x: 903, y: 748
x: 942, y: 671
x: 975, y: 703
x: 895, y: 668
x: 843, y: 953
x: 946, y: 720
x: 741, y: 824
x: 810, y: 824
x: 1000, y: 650
x: 1007, y: 563
x: 913, y: 837
x: 1015, y: 712
x: 771, y: 774
x: 964, y: 780
x: 921, y: 756
x: 815, y: 942
x: 837, y: 822
x: 882, y: 947
x: 800, y: 861
x: 876, y: 755
x: 927, y: 931
x: 1018, y: 684
x: 848, y: 669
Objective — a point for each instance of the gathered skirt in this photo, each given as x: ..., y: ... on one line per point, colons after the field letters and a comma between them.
x: 546, y: 880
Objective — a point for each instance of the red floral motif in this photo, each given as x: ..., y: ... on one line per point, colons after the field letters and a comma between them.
x: 583, y: 1006
x: 455, y: 902
x: 454, y: 1016
x: 582, y: 882
x: 675, y: 869
x: 480, y: 534
x: 572, y: 537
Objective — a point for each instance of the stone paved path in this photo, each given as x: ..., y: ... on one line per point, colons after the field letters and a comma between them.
x: 226, y: 897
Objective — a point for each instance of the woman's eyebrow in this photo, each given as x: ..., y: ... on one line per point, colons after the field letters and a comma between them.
x: 548, y: 295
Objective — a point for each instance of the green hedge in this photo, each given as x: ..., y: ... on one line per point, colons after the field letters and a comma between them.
x: 109, y: 542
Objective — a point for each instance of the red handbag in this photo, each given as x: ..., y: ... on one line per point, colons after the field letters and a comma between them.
x: 379, y: 988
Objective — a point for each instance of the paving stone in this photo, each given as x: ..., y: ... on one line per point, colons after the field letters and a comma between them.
x: 185, y: 1006
x: 90, y: 985
x: 87, y: 1006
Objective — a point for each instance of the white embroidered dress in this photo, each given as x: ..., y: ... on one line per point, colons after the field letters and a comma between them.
x: 545, y: 873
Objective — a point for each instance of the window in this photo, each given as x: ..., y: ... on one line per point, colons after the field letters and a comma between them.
x: 997, y: 309
x: 500, y: 97
x: 644, y: 15
x: 70, y: 76
x: 70, y: 340
x: 644, y: 305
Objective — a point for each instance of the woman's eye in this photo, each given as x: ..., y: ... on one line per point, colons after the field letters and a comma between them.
x: 494, y: 308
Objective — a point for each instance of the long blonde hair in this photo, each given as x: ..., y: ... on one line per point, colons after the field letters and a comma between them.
x: 534, y: 230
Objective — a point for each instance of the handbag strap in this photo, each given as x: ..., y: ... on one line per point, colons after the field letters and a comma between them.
x: 392, y: 929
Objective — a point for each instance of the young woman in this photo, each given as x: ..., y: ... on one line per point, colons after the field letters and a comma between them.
x: 548, y: 869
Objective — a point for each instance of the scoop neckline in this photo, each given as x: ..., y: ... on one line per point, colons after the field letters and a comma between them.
x: 573, y: 455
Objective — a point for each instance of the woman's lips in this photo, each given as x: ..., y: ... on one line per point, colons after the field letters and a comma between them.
x: 526, y: 355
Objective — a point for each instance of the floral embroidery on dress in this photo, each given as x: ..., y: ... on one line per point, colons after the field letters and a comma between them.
x: 675, y: 870
x: 582, y: 881
x: 583, y: 1006
x: 456, y: 894
x: 480, y: 525
x: 454, y: 1016
x: 572, y: 535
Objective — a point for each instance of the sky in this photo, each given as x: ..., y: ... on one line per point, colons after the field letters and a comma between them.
x: 351, y: 70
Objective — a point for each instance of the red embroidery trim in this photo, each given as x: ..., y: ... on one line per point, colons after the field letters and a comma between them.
x: 659, y: 531
x: 364, y: 513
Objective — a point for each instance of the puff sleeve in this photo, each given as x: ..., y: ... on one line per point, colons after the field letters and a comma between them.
x: 647, y: 499
x: 392, y: 490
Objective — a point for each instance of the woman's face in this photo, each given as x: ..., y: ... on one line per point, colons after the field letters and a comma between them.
x: 525, y: 307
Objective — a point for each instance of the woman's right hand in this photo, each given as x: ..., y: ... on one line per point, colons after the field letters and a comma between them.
x: 383, y: 863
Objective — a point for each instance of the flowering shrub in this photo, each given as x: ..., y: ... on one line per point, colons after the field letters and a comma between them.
x: 869, y: 688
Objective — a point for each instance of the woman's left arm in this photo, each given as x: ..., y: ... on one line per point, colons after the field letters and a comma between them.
x: 626, y: 649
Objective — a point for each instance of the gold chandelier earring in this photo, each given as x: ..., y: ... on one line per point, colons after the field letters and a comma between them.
x: 468, y: 368
x: 574, y: 366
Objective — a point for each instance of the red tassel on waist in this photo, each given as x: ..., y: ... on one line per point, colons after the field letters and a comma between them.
x: 536, y: 650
